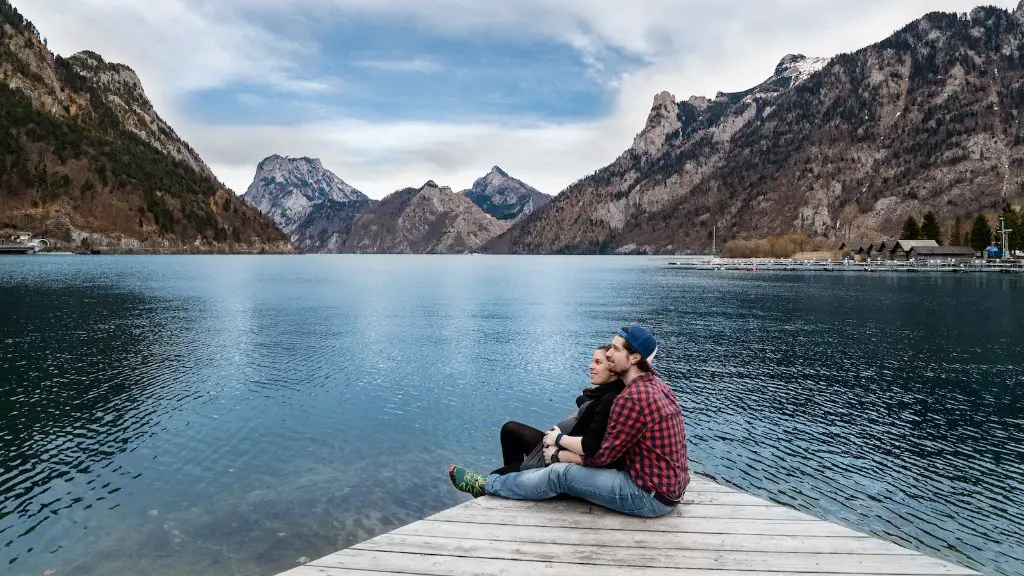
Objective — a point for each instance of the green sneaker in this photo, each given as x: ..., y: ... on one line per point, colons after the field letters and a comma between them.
x: 469, y: 482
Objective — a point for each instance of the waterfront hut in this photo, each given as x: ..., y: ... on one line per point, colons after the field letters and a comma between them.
x: 883, y: 249
x: 941, y: 253
x: 854, y: 249
x: 901, y: 248
x: 20, y: 237
x: 993, y: 253
x: 870, y: 251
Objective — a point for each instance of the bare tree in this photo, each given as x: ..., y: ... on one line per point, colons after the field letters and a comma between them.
x: 848, y: 216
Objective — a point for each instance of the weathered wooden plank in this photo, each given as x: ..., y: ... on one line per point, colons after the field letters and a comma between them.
x: 765, y: 511
x: 717, y: 531
x: 311, y: 570
x: 647, y: 558
x: 434, y: 565
x: 648, y: 539
x: 729, y: 498
x: 702, y: 484
x: 668, y: 524
x: 732, y: 498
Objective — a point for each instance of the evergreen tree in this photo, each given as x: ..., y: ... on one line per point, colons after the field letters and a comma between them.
x: 957, y: 236
x: 981, y: 233
x: 930, y: 228
x: 911, y: 230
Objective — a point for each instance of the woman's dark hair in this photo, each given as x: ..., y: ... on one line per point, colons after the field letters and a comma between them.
x: 603, y: 348
x: 642, y: 364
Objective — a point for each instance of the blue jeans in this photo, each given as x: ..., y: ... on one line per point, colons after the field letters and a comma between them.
x: 612, y: 489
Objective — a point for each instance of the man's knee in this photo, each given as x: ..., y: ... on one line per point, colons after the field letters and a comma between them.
x: 557, y: 472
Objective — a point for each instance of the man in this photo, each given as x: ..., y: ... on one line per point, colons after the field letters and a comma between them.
x: 645, y: 426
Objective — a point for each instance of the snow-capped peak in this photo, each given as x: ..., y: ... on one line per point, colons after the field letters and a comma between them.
x: 800, y: 67
x: 287, y: 188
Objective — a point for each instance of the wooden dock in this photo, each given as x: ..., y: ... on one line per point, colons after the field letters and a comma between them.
x: 717, y: 531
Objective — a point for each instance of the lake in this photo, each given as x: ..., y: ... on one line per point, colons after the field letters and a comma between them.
x: 233, y: 414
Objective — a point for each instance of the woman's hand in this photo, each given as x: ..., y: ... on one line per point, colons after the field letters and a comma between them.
x: 548, y: 452
x: 549, y: 438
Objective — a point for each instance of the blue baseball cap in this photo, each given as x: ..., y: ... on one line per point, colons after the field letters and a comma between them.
x: 641, y: 340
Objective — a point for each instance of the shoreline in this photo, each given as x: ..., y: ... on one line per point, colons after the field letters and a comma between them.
x: 887, y: 266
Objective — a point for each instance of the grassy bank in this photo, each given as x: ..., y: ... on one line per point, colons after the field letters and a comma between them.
x: 781, y: 247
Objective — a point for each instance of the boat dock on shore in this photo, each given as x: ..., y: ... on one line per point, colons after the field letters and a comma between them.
x: 16, y: 249
x: 780, y: 265
x: 716, y: 531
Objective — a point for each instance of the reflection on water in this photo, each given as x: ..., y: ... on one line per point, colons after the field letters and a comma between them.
x: 195, y: 415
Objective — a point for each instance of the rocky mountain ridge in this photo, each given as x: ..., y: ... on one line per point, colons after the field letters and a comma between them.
x: 122, y: 89
x: 87, y: 160
x: 505, y: 197
x: 322, y: 213
x: 926, y: 119
x: 427, y: 220
x: 289, y: 189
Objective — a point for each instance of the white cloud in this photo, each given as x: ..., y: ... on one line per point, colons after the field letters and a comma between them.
x: 422, y: 65
x: 687, y: 47
x: 368, y: 155
x: 176, y: 46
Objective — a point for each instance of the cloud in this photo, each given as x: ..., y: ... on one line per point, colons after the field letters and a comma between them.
x: 422, y: 65
x: 176, y: 46
x: 687, y: 47
x: 366, y: 155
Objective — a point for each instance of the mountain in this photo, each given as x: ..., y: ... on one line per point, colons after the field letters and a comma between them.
x: 322, y: 213
x: 87, y: 160
x: 328, y: 224
x: 505, y: 197
x: 428, y: 220
x: 929, y: 118
x: 288, y: 190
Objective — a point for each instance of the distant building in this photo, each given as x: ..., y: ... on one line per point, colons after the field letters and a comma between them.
x: 883, y: 249
x: 993, y: 252
x: 21, y: 237
x: 901, y: 248
x: 859, y: 250
x: 854, y: 249
x: 943, y: 253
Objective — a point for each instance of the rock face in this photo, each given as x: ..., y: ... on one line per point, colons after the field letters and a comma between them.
x: 289, y: 190
x: 87, y: 159
x: 122, y: 90
x: 329, y: 224
x: 927, y: 119
x: 428, y: 220
x: 323, y: 214
x: 505, y: 197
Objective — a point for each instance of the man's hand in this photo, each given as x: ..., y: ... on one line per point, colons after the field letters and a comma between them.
x: 548, y: 452
x: 549, y: 438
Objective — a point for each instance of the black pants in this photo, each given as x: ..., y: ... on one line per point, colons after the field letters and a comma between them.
x: 517, y: 441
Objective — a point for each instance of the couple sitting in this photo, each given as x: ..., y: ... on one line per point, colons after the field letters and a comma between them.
x: 625, y: 448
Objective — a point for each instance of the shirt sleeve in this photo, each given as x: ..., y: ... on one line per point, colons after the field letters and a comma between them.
x: 624, y: 425
x: 593, y: 436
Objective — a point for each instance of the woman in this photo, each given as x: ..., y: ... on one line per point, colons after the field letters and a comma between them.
x: 522, y: 446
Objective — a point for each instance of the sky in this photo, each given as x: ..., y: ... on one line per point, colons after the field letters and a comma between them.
x: 392, y: 93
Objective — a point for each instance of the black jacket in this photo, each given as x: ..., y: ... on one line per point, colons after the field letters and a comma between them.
x: 593, y: 419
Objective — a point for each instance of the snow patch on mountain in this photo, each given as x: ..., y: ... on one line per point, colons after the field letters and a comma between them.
x: 287, y: 189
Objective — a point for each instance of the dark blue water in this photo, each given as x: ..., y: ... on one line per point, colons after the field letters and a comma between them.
x: 201, y: 415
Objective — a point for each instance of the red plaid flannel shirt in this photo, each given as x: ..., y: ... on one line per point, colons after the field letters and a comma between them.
x: 646, y: 425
